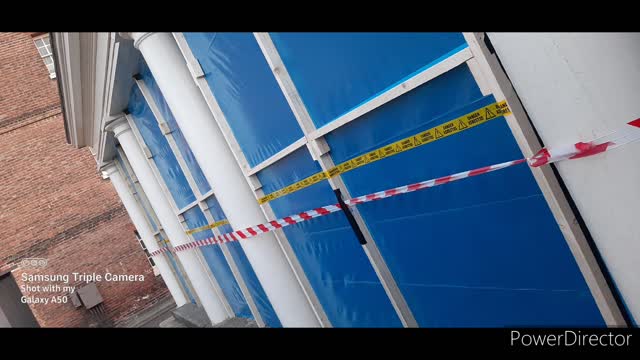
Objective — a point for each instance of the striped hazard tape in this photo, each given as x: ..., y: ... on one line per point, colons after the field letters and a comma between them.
x: 462, y: 123
x: 162, y: 250
x: 207, y: 227
x: 626, y: 135
x: 326, y: 210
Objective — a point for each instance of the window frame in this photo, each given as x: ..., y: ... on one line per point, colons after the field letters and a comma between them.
x: 156, y: 272
x: 44, y: 42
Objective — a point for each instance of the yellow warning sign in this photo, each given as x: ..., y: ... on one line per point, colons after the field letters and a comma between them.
x: 207, y: 227
x: 449, y: 128
x: 488, y: 114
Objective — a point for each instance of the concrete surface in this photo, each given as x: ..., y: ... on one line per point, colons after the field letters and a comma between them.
x: 152, y: 316
x: 171, y: 322
x: 193, y: 316
x: 237, y: 322
x: 165, y: 315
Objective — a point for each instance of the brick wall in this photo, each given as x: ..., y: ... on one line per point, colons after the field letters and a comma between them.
x: 53, y: 202
x: 26, y: 91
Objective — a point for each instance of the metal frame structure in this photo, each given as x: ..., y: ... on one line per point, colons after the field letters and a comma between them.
x: 200, y: 198
x: 96, y: 69
x: 320, y: 151
x: 490, y: 78
x: 159, y: 235
x: 163, y: 185
x: 253, y: 181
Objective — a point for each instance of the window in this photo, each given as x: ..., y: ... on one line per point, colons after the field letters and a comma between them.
x: 44, y: 48
x: 146, y: 252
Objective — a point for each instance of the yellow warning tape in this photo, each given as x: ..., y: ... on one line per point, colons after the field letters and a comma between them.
x: 207, y: 227
x: 449, y: 128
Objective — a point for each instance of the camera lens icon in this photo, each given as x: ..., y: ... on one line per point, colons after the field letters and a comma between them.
x: 34, y: 263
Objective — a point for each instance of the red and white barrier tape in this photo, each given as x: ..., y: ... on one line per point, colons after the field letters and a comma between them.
x: 628, y: 134
x: 162, y: 250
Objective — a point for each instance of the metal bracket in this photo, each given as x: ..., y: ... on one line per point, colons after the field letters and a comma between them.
x: 147, y: 152
x: 317, y: 148
x: 166, y: 129
x: 352, y: 220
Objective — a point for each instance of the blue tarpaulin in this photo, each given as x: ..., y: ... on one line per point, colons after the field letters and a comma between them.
x: 179, y: 188
x: 485, y: 251
x: 154, y: 226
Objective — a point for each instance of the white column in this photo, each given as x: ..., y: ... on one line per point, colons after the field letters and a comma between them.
x: 144, y: 229
x: 169, y: 221
x: 219, y: 166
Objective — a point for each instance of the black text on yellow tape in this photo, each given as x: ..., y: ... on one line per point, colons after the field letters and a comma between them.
x: 207, y: 227
x: 449, y: 128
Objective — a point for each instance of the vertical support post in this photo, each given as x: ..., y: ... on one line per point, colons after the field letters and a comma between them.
x: 252, y: 179
x: 164, y: 126
x: 206, y: 293
x: 320, y: 151
x: 205, y: 139
x: 524, y: 135
x: 174, y: 207
x: 137, y: 217
x: 160, y: 235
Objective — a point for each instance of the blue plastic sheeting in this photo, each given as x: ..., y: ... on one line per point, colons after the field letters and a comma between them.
x: 159, y: 147
x: 213, y: 259
x: 483, y: 251
x: 183, y: 147
x: 335, y: 72
x: 135, y: 194
x: 178, y: 273
x: 181, y: 191
x: 218, y: 264
x: 247, y: 92
x: 328, y: 250
x: 246, y: 271
x: 154, y: 226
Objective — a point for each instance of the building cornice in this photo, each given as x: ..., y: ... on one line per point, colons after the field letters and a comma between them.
x: 118, y: 126
x: 95, y: 72
x: 108, y: 169
x: 67, y: 57
x: 137, y: 37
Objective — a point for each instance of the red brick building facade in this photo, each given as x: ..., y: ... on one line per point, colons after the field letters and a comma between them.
x: 54, y: 203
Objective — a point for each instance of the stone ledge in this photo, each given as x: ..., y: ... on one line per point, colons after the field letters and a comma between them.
x: 194, y: 316
x: 237, y: 322
x: 191, y: 315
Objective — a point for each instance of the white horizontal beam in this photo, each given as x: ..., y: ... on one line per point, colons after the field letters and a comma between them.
x: 320, y: 152
x: 422, y: 77
x: 188, y: 207
x: 206, y: 195
x: 277, y: 156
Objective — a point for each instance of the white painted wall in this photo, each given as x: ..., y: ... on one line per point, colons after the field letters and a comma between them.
x: 577, y: 86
